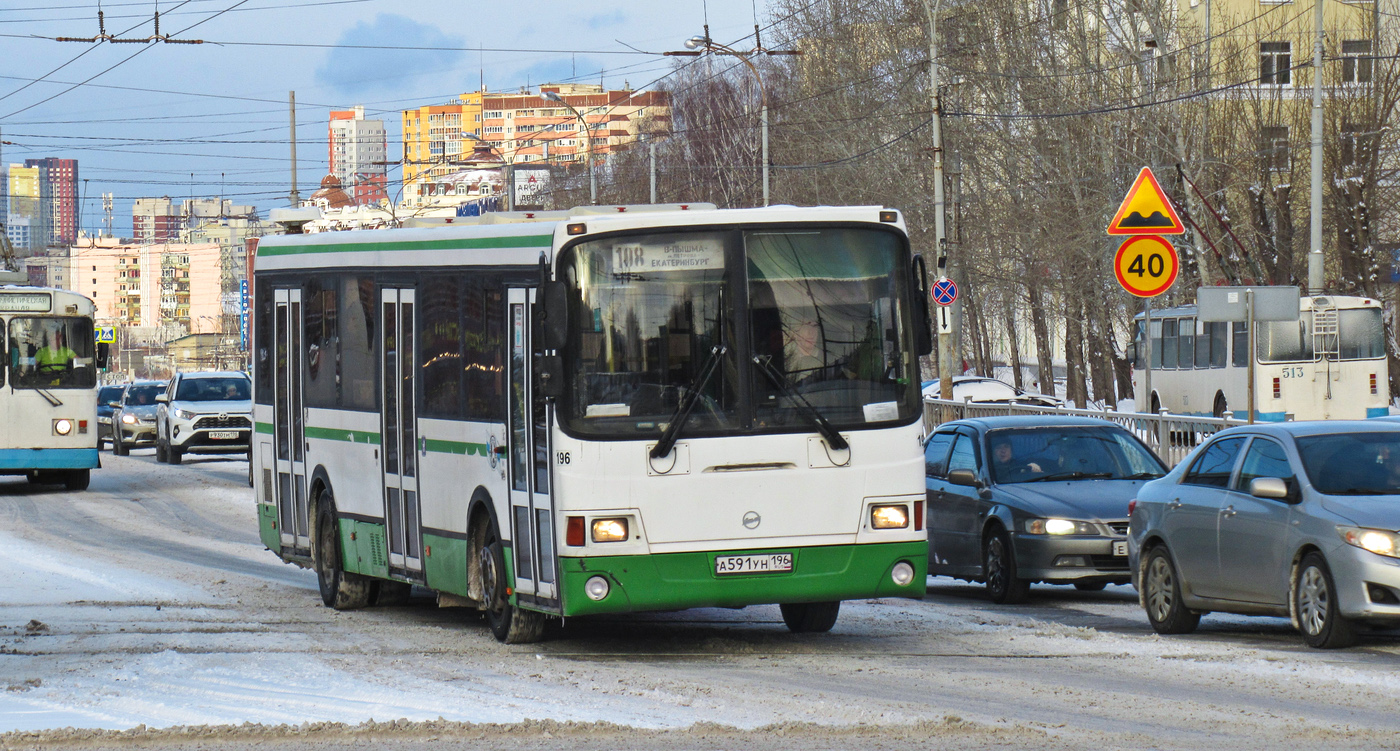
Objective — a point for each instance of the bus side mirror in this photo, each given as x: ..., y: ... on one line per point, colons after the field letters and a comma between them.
x: 923, y: 326
x: 553, y: 311
x: 1130, y: 354
x: 103, y: 353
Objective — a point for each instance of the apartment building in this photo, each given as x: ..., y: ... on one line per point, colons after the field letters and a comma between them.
x: 358, y: 155
x: 435, y: 137
x: 163, y: 220
x: 62, y: 178
x: 175, y: 286
x: 28, y: 208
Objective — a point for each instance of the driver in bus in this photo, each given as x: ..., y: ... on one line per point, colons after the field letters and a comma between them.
x: 55, y: 359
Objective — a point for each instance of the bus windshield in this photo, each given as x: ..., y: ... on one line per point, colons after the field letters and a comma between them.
x: 52, y: 353
x: 824, y: 317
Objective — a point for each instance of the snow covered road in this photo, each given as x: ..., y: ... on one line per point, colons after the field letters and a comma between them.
x: 148, y: 602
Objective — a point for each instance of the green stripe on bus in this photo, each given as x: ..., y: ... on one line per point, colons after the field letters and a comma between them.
x: 457, y: 447
x: 466, y: 243
x: 265, y: 427
x: 342, y: 434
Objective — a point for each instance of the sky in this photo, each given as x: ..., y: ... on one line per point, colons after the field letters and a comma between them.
x: 211, y: 119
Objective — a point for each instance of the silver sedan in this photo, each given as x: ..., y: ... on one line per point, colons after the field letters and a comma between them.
x: 1290, y: 519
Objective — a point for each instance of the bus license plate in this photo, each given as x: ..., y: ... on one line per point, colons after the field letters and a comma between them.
x: 753, y: 564
x: 1120, y: 547
x: 223, y: 435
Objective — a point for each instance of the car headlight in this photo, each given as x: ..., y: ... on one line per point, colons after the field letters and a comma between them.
x: 62, y: 426
x: 889, y: 517
x: 1060, y: 527
x: 1378, y: 541
x: 182, y: 414
x: 609, y: 530
x: 128, y: 419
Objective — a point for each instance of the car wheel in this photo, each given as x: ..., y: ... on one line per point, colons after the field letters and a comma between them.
x: 1161, y: 595
x: 339, y: 589
x: 1090, y: 586
x: 250, y: 469
x: 999, y: 569
x: 510, y: 624
x: 77, y: 479
x: 160, y: 450
x: 119, y: 447
x: 173, y: 455
x: 810, y: 617
x: 1315, y: 606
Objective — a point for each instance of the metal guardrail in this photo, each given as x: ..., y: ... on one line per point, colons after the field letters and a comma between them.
x: 1171, y: 436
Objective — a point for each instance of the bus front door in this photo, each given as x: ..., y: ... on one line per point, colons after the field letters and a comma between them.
x: 532, y: 510
x: 290, y: 416
x: 399, y: 430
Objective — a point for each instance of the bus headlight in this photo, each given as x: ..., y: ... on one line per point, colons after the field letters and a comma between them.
x: 128, y: 419
x: 609, y: 530
x: 889, y: 517
x: 596, y: 588
x: 902, y: 573
x: 62, y: 426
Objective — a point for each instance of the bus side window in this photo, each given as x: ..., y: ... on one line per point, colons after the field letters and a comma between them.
x: 1240, y: 345
x: 262, y: 340
x: 1203, y: 339
x: 359, y: 368
x: 1186, y: 351
x: 1156, y: 332
x: 1169, y: 342
x: 322, y: 341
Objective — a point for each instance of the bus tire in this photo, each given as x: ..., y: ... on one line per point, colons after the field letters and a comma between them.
x: 509, y: 624
x: 119, y: 447
x: 1221, y: 406
x: 810, y: 617
x: 77, y: 479
x: 339, y: 589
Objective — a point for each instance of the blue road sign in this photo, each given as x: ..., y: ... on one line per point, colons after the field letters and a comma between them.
x: 944, y: 291
x: 243, y: 314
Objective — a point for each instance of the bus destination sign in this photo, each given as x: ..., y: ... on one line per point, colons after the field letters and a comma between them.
x: 30, y: 302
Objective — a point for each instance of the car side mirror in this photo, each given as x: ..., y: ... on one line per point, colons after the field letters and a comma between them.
x: 114, y: 404
x: 964, y: 477
x: 162, y: 399
x: 1269, y: 487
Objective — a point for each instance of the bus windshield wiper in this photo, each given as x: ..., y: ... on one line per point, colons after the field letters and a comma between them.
x: 833, y: 438
x: 683, y: 410
x: 50, y: 398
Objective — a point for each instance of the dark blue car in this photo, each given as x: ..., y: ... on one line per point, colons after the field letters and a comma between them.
x: 107, y: 397
x: 1016, y: 500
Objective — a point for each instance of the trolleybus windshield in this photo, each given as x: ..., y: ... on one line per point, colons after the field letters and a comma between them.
x: 51, y: 353
x: 820, y: 306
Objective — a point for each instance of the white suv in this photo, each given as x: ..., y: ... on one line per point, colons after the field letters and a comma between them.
x: 204, y: 413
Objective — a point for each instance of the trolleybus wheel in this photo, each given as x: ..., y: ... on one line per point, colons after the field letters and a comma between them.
x: 339, y: 589
x: 77, y: 479
x: 810, y: 617
x: 510, y: 624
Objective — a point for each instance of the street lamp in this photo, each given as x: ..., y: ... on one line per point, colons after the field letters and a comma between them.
x: 509, y: 168
x: 706, y: 44
x: 587, y: 134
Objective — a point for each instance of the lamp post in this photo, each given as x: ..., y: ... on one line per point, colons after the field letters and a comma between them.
x: 588, y: 135
x: 509, y: 169
x: 940, y: 236
x: 706, y: 44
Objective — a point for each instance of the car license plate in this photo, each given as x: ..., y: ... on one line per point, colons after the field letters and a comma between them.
x: 223, y: 435
x: 1120, y: 547
x: 753, y: 564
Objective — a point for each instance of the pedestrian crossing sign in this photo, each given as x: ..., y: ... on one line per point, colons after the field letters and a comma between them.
x: 106, y: 334
x: 1146, y: 210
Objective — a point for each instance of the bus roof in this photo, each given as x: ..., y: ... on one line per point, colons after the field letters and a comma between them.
x: 1306, y: 302
x: 517, y: 243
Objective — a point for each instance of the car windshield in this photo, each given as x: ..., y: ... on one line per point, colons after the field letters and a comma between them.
x: 1069, y: 453
x: 143, y: 394
x: 109, y: 394
x: 232, y: 389
x: 52, y: 353
x: 1352, y: 463
x: 823, y: 319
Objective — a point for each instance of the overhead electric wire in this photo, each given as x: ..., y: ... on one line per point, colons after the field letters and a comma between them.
x: 182, y: 13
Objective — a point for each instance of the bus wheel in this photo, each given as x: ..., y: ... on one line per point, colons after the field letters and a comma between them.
x: 510, y: 624
x: 810, y: 617
x: 77, y: 479
x: 1221, y: 406
x: 339, y: 589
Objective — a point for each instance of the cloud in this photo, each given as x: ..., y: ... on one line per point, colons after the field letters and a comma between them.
x: 358, y: 71
x: 604, y: 20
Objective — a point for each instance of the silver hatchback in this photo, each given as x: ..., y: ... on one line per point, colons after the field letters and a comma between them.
x: 1290, y: 519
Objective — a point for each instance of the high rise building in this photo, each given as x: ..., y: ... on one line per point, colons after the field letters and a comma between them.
x: 358, y: 155
x: 28, y: 209
x: 434, y: 137
x: 62, y: 177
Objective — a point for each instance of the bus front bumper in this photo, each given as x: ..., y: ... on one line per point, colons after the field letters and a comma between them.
x: 675, y: 581
x: 14, y: 461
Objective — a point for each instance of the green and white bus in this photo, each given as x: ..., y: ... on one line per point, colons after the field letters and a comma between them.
x: 603, y: 410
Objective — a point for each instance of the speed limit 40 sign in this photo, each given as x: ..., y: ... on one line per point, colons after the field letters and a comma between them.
x: 1146, y: 265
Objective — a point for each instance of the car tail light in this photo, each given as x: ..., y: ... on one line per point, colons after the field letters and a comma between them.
x: 1132, y: 505
x: 573, y: 536
x: 1278, y: 389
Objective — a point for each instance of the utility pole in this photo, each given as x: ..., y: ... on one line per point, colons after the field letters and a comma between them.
x: 295, y: 196
x: 651, y: 147
x: 1315, y: 269
x: 940, y: 230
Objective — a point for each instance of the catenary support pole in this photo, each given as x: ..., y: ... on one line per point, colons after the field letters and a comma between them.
x: 295, y: 196
x: 1315, y: 269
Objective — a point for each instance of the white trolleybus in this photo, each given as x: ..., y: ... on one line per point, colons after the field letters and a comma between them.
x: 598, y: 411
x: 1330, y: 364
x: 48, y: 386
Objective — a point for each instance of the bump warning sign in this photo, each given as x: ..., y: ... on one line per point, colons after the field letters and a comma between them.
x: 1146, y: 210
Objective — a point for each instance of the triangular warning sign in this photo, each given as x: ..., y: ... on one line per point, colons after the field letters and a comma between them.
x: 1146, y: 210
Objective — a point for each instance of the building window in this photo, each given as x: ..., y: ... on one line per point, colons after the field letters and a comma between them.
x: 1358, y: 141
x: 1356, y: 61
x: 1275, y: 63
x: 1273, y: 147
